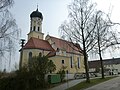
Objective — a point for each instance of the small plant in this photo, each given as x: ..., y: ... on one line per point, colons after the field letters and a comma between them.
x: 62, y: 73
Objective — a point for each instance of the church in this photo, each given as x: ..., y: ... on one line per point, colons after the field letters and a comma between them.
x: 61, y: 52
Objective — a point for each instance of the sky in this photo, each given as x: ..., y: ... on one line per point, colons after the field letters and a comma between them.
x: 54, y: 13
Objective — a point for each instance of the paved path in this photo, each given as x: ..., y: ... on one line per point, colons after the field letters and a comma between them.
x: 66, y: 85
x: 113, y: 84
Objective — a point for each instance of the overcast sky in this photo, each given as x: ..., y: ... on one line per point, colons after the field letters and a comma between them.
x: 54, y: 13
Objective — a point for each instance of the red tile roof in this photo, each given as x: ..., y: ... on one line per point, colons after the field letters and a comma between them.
x: 66, y: 45
x: 35, y: 43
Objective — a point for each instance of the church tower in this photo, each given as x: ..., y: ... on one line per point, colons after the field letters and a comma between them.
x: 36, y: 19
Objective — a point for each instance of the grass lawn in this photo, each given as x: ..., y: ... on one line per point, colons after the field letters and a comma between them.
x: 84, y: 85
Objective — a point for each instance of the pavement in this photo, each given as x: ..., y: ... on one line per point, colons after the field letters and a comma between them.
x: 67, y: 84
x: 113, y: 84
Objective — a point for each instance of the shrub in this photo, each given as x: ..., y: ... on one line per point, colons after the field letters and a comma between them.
x: 29, y: 78
x: 62, y: 74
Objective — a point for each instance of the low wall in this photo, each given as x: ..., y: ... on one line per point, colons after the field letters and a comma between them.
x: 69, y: 76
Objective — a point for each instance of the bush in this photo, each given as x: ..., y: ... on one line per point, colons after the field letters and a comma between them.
x: 1, y: 74
x: 62, y: 74
x: 29, y: 78
x: 24, y: 80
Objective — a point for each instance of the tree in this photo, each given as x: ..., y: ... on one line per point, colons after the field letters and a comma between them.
x: 80, y: 27
x: 4, y: 4
x: 62, y: 73
x: 39, y: 66
x: 9, y: 32
x: 105, y: 37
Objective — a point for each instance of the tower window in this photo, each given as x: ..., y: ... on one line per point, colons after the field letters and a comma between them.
x: 62, y: 61
x: 38, y: 28
x: 34, y: 28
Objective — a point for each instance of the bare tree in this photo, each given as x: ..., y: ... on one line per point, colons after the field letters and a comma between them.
x: 4, y: 4
x: 80, y: 27
x: 9, y: 31
x: 105, y: 36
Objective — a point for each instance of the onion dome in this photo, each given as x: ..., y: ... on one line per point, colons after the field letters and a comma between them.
x: 36, y: 14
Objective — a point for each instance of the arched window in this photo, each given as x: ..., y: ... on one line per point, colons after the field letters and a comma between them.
x: 29, y: 60
x: 63, y: 62
x: 40, y: 54
x: 30, y: 55
x: 71, y: 62
x: 38, y: 28
x: 78, y: 59
x: 50, y: 62
x: 34, y: 28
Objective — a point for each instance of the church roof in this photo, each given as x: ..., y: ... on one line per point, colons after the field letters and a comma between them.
x: 35, y: 43
x: 66, y: 45
x: 36, y: 14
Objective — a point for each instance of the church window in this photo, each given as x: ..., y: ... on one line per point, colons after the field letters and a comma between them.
x: 38, y: 28
x: 40, y: 54
x: 30, y: 55
x: 57, y: 49
x: 30, y: 58
x: 50, y: 62
x: 78, y: 59
x: 71, y: 62
x: 63, y: 62
x: 34, y: 28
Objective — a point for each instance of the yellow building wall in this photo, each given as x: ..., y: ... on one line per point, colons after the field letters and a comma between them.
x: 57, y: 60
x: 36, y: 35
x: 35, y: 52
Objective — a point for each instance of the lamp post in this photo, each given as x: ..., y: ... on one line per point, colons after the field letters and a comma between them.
x: 67, y: 79
x: 21, y: 52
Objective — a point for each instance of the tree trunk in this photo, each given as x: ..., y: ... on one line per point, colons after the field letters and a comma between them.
x: 86, y: 67
x: 102, y: 66
x: 85, y: 59
x: 101, y: 61
x: 84, y: 50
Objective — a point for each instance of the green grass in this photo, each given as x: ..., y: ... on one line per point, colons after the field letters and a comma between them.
x: 83, y: 85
